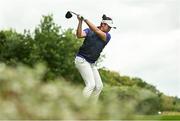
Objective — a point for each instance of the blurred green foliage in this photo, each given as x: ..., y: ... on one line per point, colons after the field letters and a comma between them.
x: 23, y: 95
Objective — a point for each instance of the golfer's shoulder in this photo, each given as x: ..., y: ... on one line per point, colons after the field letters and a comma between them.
x: 87, y: 30
x: 108, y: 36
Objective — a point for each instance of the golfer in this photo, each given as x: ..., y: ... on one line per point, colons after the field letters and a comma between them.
x: 96, y: 38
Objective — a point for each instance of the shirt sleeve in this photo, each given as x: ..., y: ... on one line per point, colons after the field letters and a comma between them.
x: 108, y: 37
x: 86, y: 30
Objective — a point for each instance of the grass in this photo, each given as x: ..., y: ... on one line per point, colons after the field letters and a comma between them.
x: 157, y: 117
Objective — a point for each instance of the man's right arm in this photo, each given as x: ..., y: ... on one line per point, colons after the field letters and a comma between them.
x: 79, y: 32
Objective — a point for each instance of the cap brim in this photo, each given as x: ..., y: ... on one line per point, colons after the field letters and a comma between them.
x: 111, y: 25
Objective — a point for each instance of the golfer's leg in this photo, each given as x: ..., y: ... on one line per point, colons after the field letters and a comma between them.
x: 86, y: 72
x: 98, y: 81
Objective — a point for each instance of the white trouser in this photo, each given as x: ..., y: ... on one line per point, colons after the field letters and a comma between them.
x: 91, y: 77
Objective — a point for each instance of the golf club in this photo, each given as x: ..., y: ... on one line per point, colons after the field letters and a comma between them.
x: 69, y: 14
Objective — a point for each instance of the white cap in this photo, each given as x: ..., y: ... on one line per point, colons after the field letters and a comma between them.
x: 109, y: 23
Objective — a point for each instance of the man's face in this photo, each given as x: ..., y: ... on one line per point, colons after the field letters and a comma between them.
x: 105, y: 27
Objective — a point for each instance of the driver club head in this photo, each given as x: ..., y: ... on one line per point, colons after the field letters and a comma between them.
x: 68, y: 15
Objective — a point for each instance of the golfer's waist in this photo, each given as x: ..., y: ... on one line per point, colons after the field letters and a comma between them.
x: 88, y: 60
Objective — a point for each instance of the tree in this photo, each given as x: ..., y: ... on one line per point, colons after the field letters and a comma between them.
x: 14, y: 47
x: 55, y: 47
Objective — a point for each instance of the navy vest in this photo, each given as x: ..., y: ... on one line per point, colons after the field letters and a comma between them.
x: 92, y: 47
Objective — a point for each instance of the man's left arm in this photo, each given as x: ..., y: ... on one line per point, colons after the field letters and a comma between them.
x: 100, y: 33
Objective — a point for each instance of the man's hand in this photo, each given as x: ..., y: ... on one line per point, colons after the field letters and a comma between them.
x: 80, y: 17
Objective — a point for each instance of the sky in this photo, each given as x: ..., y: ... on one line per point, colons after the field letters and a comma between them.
x: 146, y: 43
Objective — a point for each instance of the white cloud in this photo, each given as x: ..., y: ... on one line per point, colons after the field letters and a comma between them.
x: 153, y: 57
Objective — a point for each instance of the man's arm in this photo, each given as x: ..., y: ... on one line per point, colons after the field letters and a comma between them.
x: 79, y: 32
x: 100, y: 33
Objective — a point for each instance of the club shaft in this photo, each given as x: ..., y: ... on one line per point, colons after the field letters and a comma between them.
x: 74, y: 13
